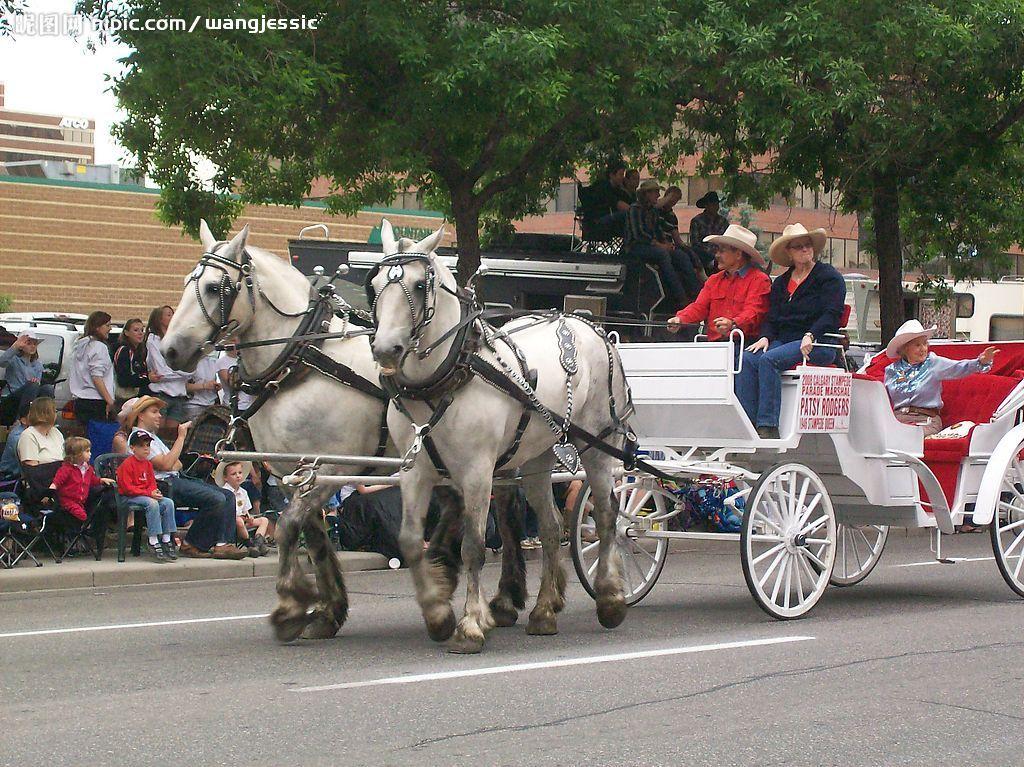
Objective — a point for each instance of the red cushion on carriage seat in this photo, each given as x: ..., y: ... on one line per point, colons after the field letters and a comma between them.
x: 974, y: 398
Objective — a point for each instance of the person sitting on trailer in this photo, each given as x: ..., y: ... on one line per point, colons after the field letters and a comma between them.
x: 612, y: 198
x: 914, y: 382
x: 805, y: 303
x: 734, y: 297
x: 709, y: 221
x: 646, y: 241
x: 670, y: 225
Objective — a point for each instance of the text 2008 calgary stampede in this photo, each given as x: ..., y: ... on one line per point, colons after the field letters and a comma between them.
x: 825, y: 401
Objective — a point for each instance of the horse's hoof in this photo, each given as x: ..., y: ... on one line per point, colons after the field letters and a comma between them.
x: 542, y: 626
x: 611, y: 613
x: 288, y: 625
x: 441, y: 630
x: 503, y: 615
x: 461, y: 644
x: 321, y: 627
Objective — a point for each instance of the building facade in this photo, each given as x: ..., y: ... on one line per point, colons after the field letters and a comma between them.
x: 29, y: 136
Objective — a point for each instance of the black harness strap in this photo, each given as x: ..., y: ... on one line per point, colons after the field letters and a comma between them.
x: 315, y: 358
x: 628, y: 455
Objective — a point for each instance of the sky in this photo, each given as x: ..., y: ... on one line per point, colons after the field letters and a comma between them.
x: 56, y: 75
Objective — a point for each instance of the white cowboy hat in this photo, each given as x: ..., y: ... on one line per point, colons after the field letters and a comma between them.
x: 739, y: 237
x: 907, y: 332
x: 777, y: 250
x: 218, y: 473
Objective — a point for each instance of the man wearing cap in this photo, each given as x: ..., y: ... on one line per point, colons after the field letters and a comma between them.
x: 645, y: 240
x: 914, y: 381
x: 23, y: 374
x: 734, y: 297
x: 805, y: 303
x: 212, y: 531
x: 706, y: 223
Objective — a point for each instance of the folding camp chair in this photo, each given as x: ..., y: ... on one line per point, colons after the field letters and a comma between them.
x: 39, y: 510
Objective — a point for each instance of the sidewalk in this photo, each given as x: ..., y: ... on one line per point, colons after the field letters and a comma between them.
x: 86, y: 572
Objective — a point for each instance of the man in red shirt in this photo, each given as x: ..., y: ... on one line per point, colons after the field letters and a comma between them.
x: 736, y: 296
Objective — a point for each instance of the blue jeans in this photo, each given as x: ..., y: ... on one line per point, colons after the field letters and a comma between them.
x: 215, y: 522
x: 676, y: 270
x: 759, y: 384
x: 159, y: 514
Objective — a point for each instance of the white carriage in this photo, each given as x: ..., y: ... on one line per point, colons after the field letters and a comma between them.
x: 819, y: 502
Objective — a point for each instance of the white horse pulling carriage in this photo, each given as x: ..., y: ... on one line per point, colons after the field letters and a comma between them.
x: 819, y: 502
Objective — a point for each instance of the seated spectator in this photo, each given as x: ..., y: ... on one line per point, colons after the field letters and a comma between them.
x: 612, y: 199
x: 92, y: 372
x: 10, y: 466
x: 165, y: 382
x: 23, y: 374
x: 670, y: 225
x: 131, y: 378
x: 202, y: 386
x: 41, y: 442
x: 136, y: 481
x: 78, y: 488
x: 645, y: 240
x: 804, y: 304
x: 706, y: 223
x: 631, y: 182
x: 230, y: 476
x: 212, y: 531
x: 915, y: 382
x: 370, y: 519
x: 119, y: 443
x: 734, y: 297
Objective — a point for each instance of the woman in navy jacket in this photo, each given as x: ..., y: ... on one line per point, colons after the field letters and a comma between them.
x: 806, y: 302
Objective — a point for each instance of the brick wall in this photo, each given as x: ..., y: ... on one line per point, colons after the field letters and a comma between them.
x: 77, y: 247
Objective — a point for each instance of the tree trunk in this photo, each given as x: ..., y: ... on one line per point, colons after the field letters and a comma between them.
x: 885, y: 210
x: 467, y: 232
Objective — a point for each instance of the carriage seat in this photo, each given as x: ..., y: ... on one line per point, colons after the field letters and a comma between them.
x: 974, y: 398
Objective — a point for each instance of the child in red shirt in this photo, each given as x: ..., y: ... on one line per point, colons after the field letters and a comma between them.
x: 136, y: 481
x: 76, y: 483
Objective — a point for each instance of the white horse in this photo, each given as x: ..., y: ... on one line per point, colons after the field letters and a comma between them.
x: 240, y: 289
x: 423, y: 322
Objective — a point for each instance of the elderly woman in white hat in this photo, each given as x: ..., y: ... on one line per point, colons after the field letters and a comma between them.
x: 734, y: 297
x: 914, y: 381
x: 805, y: 302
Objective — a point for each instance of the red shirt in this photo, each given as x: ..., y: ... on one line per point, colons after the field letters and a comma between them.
x: 135, y: 477
x: 73, y: 487
x: 741, y: 298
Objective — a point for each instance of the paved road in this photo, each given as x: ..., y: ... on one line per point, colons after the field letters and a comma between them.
x: 918, y: 665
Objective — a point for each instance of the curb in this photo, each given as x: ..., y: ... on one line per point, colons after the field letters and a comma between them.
x: 88, y: 573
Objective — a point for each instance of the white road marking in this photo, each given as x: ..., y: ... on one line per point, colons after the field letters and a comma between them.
x: 587, y: 660
x: 116, y: 626
x: 952, y: 559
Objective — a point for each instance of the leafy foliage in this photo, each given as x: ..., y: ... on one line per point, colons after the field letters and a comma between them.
x: 911, y: 110
x: 8, y: 10
x: 482, y: 104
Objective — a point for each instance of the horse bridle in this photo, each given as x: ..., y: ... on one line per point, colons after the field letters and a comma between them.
x: 228, y: 290
x: 395, y: 271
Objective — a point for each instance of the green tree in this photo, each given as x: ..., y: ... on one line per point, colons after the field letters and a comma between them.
x: 481, y: 104
x: 910, y: 110
x: 8, y: 10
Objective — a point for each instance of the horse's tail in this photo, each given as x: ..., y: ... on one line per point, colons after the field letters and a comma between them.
x: 619, y: 395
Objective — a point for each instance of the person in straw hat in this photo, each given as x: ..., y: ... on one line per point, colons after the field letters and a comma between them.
x: 734, y: 297
x: 805, y: 303
x: 914, y: 381
x: 645, y: 240
x: 213, y: 530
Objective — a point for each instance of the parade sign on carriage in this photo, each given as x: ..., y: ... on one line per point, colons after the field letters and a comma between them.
x: 824, y: 400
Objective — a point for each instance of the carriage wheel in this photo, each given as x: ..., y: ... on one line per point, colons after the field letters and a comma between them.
x: 1008, y: 524
x: 858, y: 549
x: 643, y: 559
x: 788, y: 540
